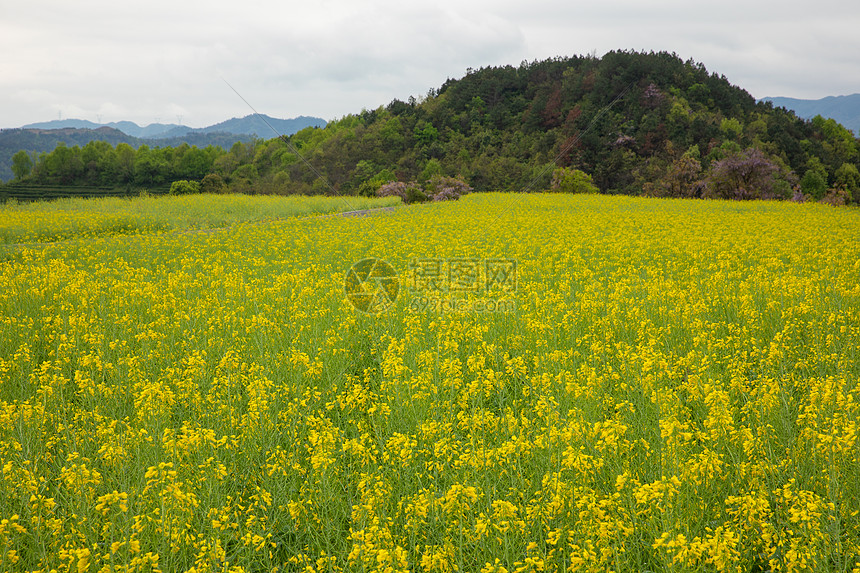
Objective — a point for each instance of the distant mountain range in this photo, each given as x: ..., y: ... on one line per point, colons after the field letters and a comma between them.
x: 254, y: 125
x: 844, y: 109
x: 44, y: 137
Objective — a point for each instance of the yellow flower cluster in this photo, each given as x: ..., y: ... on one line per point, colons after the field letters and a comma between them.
x: 677, y: 390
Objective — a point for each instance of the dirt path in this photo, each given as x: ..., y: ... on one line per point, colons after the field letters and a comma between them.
x: 359, y: 213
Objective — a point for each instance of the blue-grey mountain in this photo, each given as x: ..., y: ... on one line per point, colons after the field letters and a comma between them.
x: 845, y: 109
x: 43, y: 137
x: 254, y: 125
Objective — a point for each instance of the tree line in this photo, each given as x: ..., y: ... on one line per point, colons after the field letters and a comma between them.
x: 633, y: 123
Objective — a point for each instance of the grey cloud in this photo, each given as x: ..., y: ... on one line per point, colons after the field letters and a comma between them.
x: 334, y: 57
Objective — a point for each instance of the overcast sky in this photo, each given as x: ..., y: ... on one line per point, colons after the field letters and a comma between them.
x: 159, y: 60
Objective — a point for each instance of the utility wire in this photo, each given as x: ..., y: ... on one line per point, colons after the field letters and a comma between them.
x: 603, y: 111
x: 292, y: 147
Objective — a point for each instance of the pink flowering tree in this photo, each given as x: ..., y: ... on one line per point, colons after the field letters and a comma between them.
x: 441, y: 188
x: 747, y: 174
x: 437, y: 188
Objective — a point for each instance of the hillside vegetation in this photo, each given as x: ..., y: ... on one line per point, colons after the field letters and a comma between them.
x: 38, y: 138
x: 844, y: 108
x: 638, y: 123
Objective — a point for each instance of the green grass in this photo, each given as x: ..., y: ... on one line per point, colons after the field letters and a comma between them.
x: 62, y: 219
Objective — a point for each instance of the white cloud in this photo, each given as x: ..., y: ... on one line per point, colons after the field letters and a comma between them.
x: 163, y: 59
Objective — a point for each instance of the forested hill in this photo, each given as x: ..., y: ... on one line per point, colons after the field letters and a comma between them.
x: 638, y: 123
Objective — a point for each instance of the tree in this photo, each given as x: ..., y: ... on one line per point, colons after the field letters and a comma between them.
x: 63, y: 165
x: 568, y: 180
x: 840, y: 137
x: 226, y: 164
x: 747, y: 174
x: 682, y: 179
x: 433, y: 168
x: 440, y: 188
x: 391, y: 135
x: 108, y: 167
x: 814, y: 182
x: 125, y: 156
x: 93, y: 157
x: 212, y: 183
x: 370, y: 186
x: 732, y: 128
x: 22, y: 165
x: 848, y: 177
x: 150, y: 167
x: 408, y: 192
x: 193, y: 164
x: 247, y: 172
x: 425, y: 134
x: 183, y: 187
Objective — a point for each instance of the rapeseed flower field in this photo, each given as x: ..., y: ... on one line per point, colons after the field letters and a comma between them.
x: 667, y: 385
x: 83, y: 219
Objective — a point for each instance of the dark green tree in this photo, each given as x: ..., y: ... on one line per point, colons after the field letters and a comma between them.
x: 814, y: 182
x: 150, y: 167
x: 194, y: 163
x: 63, y: 166
x: 212, y: 183
x: 125, y: 156
x: 848, y: 177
